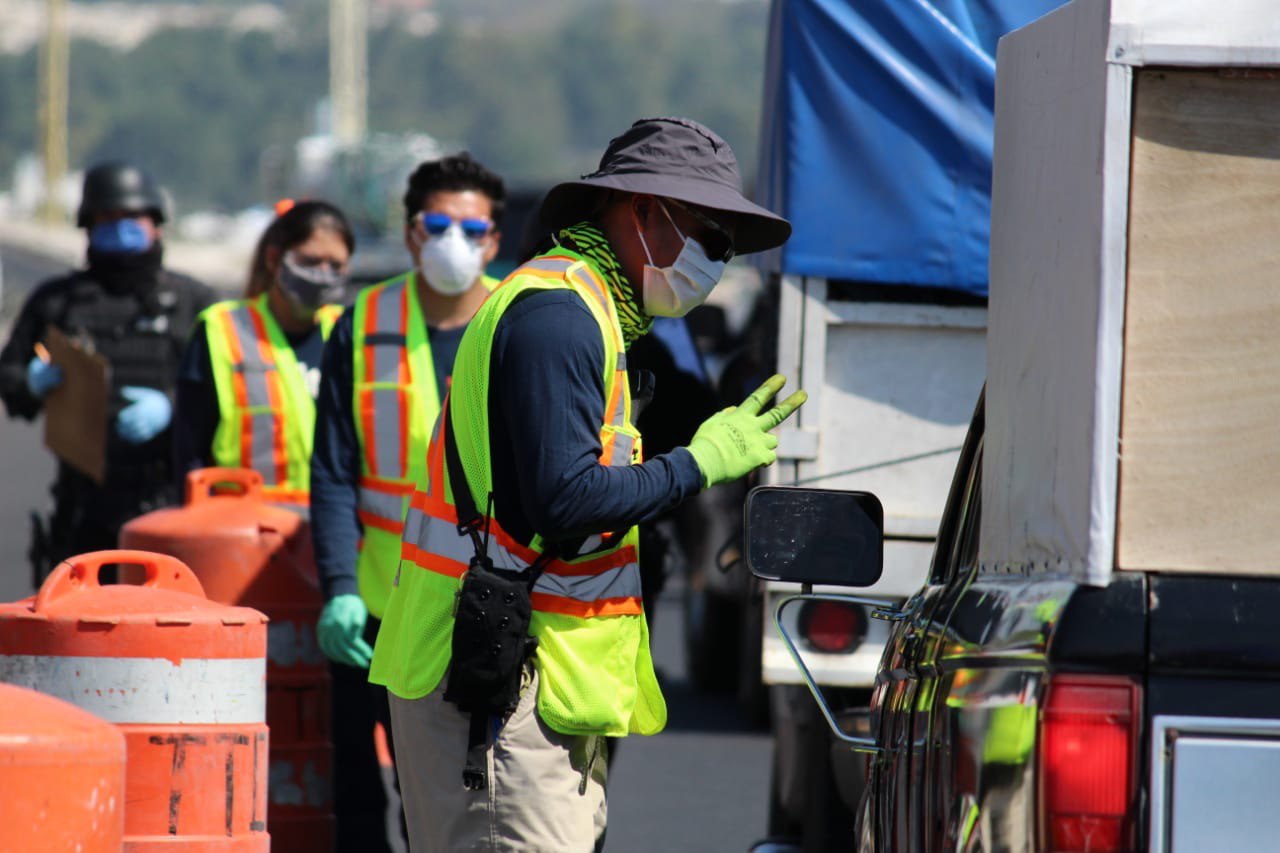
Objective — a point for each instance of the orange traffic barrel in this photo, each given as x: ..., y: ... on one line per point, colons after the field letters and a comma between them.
x: 249, y: 552
x: 182, y: 677
x: 62, y: 774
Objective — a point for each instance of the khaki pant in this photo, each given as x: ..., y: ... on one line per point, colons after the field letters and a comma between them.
x: 545, y: 792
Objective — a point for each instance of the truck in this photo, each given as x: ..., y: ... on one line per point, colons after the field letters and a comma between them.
x: 877, y: 146
x: 1090, y: 663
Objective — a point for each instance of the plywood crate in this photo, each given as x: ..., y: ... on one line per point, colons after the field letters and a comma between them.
x: 1200, y: 412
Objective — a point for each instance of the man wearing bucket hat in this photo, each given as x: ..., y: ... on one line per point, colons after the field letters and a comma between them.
x: 514, y: 641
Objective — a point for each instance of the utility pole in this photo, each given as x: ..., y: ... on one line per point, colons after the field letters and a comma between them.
x: 52, y: 108
x: 348, y: 69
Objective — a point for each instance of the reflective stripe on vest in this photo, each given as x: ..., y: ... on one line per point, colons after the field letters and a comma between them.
x: 566, y: 586
x: 595, y: 671
x: 594, y: 585
x: 266, y: 411
x: 395, y: 397
x: 258, y: 395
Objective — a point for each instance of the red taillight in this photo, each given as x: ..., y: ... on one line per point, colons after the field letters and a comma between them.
x: 832, y: 626
x: 1089, y: 731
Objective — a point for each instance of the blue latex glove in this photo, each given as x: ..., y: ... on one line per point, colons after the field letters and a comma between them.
x: 340, y: 631
x: 42, y: 377
x: 146, y: 415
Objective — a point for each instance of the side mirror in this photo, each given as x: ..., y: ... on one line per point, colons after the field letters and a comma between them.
x: 814, y: 536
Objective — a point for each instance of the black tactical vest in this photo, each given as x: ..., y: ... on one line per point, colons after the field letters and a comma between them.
x: 142, y: 335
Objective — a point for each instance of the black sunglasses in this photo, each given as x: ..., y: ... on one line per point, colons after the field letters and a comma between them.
x: 719, y: 245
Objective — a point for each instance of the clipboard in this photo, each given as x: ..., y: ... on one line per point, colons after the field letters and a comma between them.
x: 75, y: 413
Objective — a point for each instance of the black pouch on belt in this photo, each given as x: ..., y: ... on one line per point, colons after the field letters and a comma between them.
x: 491, y: 641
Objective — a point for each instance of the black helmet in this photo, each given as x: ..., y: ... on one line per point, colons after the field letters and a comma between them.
x: 119, y: 186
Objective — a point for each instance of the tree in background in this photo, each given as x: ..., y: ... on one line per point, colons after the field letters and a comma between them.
x: 533, y: 89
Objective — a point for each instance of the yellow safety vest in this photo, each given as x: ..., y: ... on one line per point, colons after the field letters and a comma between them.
x: 266, y: 412
x: 595, y: 670
x: 395, y: 401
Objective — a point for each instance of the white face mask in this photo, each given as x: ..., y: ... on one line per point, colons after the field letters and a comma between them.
x: 676, y: 290
x: 450, y: 262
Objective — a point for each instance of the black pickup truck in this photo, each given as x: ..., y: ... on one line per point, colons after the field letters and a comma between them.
x: 1016, y: 712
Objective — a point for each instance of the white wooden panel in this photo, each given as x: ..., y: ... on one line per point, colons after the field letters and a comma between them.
x: 891, y: 391
x: 1058, y: 221
x: 1194, y: 32
x: 790, y: 337
x: 895, y: 413
x: 907, y: 314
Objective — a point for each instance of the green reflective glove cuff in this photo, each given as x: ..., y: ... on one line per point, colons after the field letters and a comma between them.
x: 709, y: 458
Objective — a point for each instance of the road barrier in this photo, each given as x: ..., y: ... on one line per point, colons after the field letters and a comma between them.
x: 248, y: 552
x: 183, y: 678
x: 62, y: 774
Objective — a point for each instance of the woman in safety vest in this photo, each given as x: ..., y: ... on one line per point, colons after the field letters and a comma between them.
x: 249, y: 378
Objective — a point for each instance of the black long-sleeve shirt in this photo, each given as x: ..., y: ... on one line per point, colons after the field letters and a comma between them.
x: 335, y: 456
x: 546, y: 405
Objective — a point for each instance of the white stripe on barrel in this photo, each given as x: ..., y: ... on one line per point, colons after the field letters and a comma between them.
x: 211, y: 691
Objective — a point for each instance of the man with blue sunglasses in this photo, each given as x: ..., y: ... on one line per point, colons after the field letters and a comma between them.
x: 385, y: 369
x: 134, y: 313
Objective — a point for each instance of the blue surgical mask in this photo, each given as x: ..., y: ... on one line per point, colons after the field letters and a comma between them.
x: 122, y: 236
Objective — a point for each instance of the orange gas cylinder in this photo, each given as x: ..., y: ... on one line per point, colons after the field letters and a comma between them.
x: 249, y: 552
x: 62, y: 774
x: 182, y: 677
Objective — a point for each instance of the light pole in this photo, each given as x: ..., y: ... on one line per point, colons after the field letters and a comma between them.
x: 52, y: 108
x: 348, y: 70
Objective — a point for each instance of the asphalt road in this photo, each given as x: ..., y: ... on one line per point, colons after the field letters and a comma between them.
x: 701, y: 785
x: 25, y: 467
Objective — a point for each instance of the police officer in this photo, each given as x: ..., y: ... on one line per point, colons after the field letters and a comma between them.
x: 249, y: 378
x: 129, y: 309
x: 515, y: 638
x: 386, y: 368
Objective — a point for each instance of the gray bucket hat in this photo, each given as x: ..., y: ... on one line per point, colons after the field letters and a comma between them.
x: 673, y: 158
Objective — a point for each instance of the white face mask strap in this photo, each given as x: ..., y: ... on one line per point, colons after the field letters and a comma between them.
x: 643, y: 244
x: 640, y: 231
x: 672, y: 221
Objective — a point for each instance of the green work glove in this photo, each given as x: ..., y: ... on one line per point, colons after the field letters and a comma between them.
x: 340, y: 631
x: 736, y: 441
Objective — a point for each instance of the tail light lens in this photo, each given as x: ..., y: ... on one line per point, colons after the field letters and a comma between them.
x: 1089, y: 731
x: 833, y: 627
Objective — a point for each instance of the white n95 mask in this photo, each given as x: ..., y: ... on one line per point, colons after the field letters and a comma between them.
x: 450, y: 262
x: 676, y: 290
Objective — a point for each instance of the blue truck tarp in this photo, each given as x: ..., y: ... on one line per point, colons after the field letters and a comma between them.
x: 877, y: 133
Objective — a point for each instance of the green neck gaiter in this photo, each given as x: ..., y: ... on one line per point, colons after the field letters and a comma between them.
x: 589, y: 241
